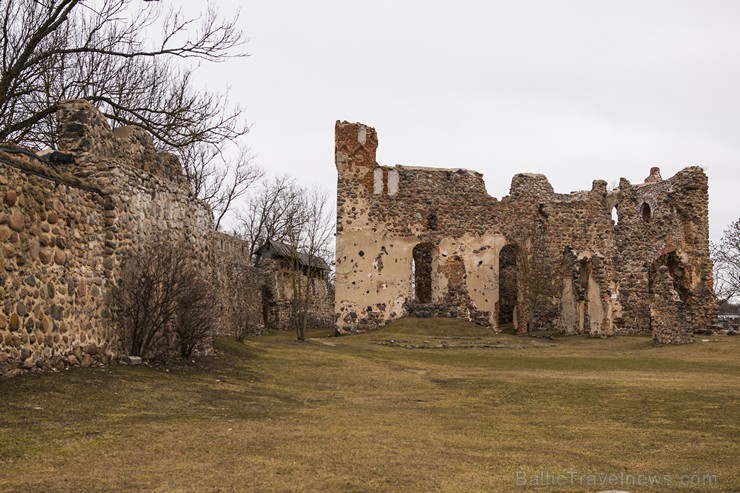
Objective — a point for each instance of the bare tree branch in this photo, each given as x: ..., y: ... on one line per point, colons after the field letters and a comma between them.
x: 726, y: 258
x: 136, y: 60
x: 271, y: 212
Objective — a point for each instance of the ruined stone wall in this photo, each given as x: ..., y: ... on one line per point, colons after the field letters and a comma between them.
x: 65, y: 228
x: 664, y: 222
x: 426, y: 242
x: 383, y: 213
x: 55, y: 269
x: 241, y: 286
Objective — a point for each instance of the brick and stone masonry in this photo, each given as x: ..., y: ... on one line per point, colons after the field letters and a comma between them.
x: 432, y: 242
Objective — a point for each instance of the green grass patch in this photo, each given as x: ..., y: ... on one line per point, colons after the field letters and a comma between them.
x: 484, y: 412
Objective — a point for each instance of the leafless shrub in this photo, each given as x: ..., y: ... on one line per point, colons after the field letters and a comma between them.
x: 163, y: 300
x: 195, y: 315
x: 238, y: 297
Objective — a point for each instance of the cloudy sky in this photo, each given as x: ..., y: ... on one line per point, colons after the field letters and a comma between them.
x: 577, y: 90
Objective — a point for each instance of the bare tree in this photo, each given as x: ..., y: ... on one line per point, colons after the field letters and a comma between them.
x: 310, y: 241
x: 302, y: 220
x: 161, y: 293
x: 726, y: 258
x: 218, y: 179
x: 272, y: 213
x: 136, y: 61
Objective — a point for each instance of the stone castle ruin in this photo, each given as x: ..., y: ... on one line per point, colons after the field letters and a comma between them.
x: 410, y: 241
x: 432, y: 242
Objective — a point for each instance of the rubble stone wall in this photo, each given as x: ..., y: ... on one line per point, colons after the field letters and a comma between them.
x: 577, y: 270
x: 55, y: 270
x: 65, y: 228
x: 240, y: 285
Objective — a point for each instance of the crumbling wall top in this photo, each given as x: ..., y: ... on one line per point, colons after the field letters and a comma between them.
x: 530, y: 185
x: 355, y: 145
x: 654, y: 175
x: 85, y: 132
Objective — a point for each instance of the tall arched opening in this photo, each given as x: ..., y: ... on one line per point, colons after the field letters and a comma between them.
x: 421, y: 273
x: 507, y: 284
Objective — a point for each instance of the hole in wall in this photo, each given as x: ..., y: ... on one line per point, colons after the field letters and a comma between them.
x: 432, y: 221
x: 421, y: 273
x: 646, y: 212
x: 677, y: 272
x: 507, y: 283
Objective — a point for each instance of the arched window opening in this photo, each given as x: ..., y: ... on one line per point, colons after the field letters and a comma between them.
x: 421, y: 273
x: 615, y: 215
x: 645, y: 212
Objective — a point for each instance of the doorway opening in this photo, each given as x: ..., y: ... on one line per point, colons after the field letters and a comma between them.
x: 507, y: 284
x: 421, y: 273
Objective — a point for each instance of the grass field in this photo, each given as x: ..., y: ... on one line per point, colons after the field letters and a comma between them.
x: 422, y: 405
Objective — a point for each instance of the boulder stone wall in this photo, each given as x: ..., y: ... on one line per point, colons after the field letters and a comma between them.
x: 67, y: 221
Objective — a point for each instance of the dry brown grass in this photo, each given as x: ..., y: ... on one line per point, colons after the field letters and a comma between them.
x: 349, y: 414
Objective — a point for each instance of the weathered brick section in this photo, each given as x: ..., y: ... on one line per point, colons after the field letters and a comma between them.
x: 65, y: 228
x: 424, y: 241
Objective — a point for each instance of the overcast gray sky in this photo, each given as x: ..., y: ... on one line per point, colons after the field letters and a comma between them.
x: 577, y: 90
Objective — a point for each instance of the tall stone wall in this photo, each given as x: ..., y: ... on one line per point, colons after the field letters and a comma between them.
x: 65, y: 228
x: 427, y: 242
x: 55, y: 268
x: 241, y: 286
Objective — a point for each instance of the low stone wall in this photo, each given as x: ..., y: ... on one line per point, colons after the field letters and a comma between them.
x: 278, y: 296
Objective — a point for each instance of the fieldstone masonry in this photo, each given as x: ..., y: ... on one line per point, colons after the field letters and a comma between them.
x: 66, y: 225
x: 428, y: 242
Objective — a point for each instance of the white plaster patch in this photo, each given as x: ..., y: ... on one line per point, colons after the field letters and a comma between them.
x: 362, y: 135
x: 393, y: 180
x: 378, y: 181
x: 569, y: 314
x: 596, y: 313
